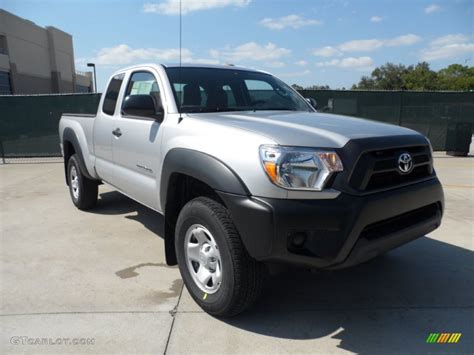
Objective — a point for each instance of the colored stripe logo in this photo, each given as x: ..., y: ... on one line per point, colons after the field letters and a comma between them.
x: 443, y: 338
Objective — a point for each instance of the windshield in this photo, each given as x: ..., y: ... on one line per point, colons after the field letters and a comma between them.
x: 217, y: 90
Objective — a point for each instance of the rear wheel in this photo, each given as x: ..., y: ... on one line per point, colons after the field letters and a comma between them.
x: 216, y: 268
x: 83, y: 191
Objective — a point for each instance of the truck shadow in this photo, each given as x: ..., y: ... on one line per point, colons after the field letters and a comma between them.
x: 114, y: 203
x: 388, y: 305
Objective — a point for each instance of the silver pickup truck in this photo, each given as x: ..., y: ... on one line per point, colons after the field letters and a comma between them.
x: 246, y: 173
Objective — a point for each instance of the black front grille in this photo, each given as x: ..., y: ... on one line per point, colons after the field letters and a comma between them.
x: 400, y: 222
x: 377, y: 170
x: 393, y: 178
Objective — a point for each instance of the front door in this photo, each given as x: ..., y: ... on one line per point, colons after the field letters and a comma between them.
x: 136, y: 144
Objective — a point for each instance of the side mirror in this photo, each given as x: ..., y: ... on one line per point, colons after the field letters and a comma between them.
x: 312, y: 102
x: 142, y: 106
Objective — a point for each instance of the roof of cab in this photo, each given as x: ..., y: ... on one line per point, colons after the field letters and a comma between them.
x: 192, y: 65
x: 211, y: 66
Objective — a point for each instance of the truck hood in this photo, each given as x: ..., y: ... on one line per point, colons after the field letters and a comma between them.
x: 305, y: 128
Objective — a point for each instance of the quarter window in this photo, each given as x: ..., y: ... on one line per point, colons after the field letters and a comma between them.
x: 111, y: 96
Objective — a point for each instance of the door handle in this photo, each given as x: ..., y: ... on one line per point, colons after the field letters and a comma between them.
x: 116, y: 132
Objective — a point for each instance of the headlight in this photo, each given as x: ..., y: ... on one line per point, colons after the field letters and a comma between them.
x: 299, y: 168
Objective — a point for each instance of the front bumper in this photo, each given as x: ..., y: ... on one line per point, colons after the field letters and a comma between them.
x: 335, y: 233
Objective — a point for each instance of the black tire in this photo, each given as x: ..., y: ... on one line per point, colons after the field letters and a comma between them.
x: 85, y: 196
x: 242, y: 276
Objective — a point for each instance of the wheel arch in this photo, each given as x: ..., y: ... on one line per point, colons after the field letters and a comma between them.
x: 71, y: 146
x: 187, y: 174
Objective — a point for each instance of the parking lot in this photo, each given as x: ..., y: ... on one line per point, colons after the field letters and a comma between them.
x: 101, y: 275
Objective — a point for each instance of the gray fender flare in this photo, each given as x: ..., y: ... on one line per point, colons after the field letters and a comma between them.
x: 202, y: 167
x: 70, y: 136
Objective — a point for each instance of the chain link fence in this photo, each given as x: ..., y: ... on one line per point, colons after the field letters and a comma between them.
x: 446, y: 118
x: 29, y: 124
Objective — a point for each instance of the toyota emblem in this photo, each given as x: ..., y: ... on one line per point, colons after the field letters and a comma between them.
x: 405, y: 163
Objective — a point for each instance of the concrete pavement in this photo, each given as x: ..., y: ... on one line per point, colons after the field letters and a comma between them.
x: 100, y: 277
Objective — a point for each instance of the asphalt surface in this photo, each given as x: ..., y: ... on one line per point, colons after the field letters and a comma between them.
x: 99, y: 279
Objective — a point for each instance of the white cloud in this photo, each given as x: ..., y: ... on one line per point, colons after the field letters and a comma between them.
x: 362, y: 63
x: 405, y: 40
x: 431, y: 9
x: 362, y: 45
x: 201, y: 61
x: 124, y: 54
x: 171, y: 7
x: 293, y: 21
x: 295, y: 74
x: 356, y: 62
x: 449, y: 39
x: 328, y: 63
x: 366, y: 45
x: 376, y: 19
x: 449, y: 52
x: 327, y: 51
x: 453, y: 46
x: 250, y: 51
x: 276, y: 64
x: 301, y: 63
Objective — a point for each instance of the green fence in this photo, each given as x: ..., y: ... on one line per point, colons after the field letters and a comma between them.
x: 29, y: 124
x: 447, y: 118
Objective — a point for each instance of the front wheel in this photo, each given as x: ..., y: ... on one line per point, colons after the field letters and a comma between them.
x: 216, y: 268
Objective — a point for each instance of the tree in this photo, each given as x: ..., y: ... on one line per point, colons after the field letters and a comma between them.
x: 312, y: 87
x: 387, y: 77
x: 365, y: 83
x: 421, y: 77
x: 297, y: 87
x: 456, y: 77
x: 318, y: 87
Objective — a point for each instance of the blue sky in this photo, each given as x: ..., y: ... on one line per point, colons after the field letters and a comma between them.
x: 302, y: 41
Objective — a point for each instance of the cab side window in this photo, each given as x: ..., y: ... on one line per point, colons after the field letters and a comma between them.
x: 142, y: 97
x: 229, y: 93
x: 143, y: 83
x: 259, y: 90
x: 111, y: 95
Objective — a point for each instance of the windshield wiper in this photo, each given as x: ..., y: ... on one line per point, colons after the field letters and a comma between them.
x: 206, y: 110
x: 274, y: 109
x: 217, y: 110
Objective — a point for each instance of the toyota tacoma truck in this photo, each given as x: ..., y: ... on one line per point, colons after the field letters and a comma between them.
x: 247, y: 173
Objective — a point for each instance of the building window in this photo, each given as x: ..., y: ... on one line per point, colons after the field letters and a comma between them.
x: 5, y: 83
x: 82, y: 88
x: 3, y: 45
